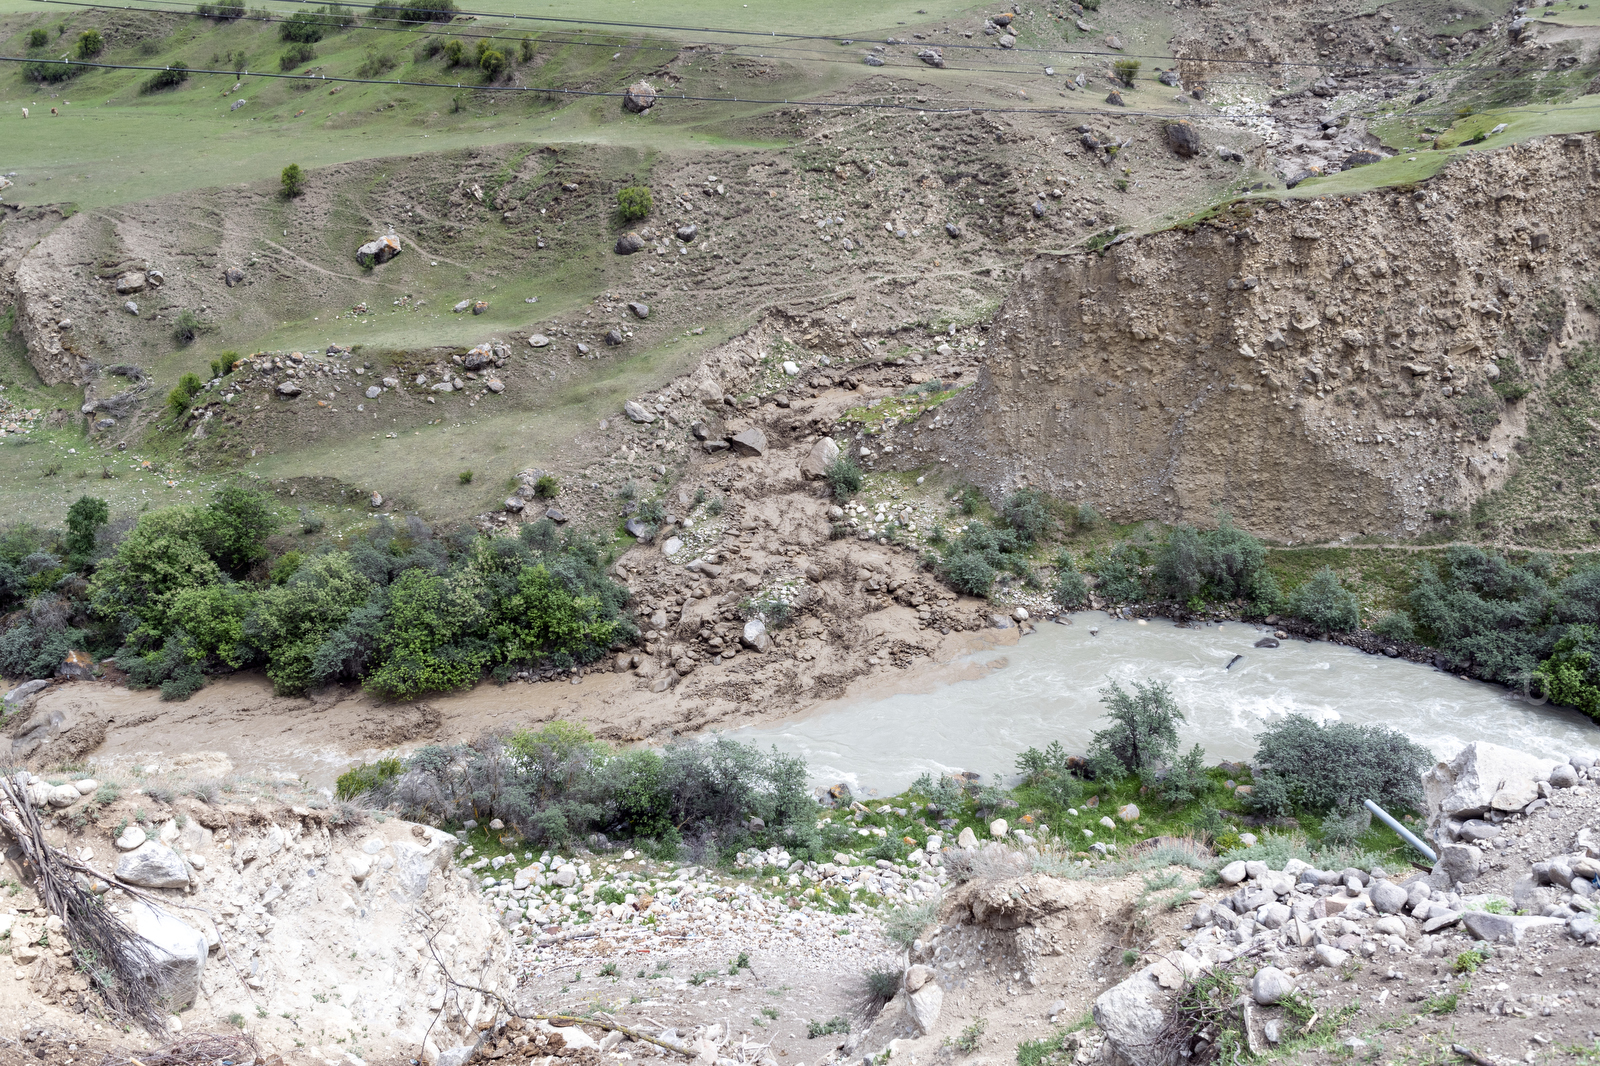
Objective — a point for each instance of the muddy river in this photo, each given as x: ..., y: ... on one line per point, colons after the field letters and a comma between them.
x: 1046, y: 687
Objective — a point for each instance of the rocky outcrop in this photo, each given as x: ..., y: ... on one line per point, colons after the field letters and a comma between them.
x: 1267, y: 361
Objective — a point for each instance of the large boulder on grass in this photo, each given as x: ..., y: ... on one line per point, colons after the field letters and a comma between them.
x: 640, y: 97
x: 378, y: 251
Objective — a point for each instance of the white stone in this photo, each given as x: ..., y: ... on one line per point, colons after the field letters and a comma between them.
x: 64, y: 796
x: 1481, y: 777
x: 153, y: 865
x: 967, y: 838
x: 130, y: 838
x: 998, y: 828
x: 179, y: 952
x: 86, y: 787
x: 924, y: 1005
x: 1271, y: 985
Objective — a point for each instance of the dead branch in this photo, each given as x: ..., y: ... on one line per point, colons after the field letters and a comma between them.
x: 117, y: 960
x: 555, y: 1019
x: 201, y: 1049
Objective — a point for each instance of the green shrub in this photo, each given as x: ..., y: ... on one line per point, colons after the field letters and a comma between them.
x: 843, y: 476
x: 547, y: 487
x: 183, y: 394
x: 969, y: 499
x: 464, y: 478
x: 1510, y: 385
x: 1144, y: 732
x: 526, y: 48
x: 1334, y: 767
x: 366, y: 777
x: 1086, y: 517
x: 296, y: 55
x: 1028, y: 513
x: 187, y: 327
x: 492, y: 62
x: 634, y: 202
x: 34, y: 648
x: 1184, y: 781
x: 1484, y: 610
x: 292, y: 181
x: 321, y: 624
x: 455, y: 53
x: 1325, y: 604
x: 90, y: 44
x: 1396, y: 625
x: 1126, y: 70
x: 50, y: 71
x: 1117, y: 577
x: 162, y: 80
x: 376, y: 64
x: 1071, y: 590
x: 1569, y: 676
x: 38, y: 38
x: 224, y: 9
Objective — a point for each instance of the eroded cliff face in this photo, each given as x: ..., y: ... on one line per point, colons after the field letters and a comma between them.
x: 1322, y: 368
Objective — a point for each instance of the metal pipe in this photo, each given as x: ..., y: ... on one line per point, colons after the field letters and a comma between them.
x: 1405, y: 834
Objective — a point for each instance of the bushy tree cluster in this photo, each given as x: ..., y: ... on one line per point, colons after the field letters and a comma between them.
x: 190, y: 591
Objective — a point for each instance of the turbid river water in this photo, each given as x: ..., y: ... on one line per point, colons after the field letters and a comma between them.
x: 1046, y: 688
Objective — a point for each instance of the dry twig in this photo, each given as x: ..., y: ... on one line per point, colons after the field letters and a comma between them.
x: 117, y: 960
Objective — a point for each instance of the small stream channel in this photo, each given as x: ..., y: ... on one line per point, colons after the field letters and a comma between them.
x: 1047, y: 688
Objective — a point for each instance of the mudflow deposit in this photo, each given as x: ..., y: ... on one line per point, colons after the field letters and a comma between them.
x: 750, y: 334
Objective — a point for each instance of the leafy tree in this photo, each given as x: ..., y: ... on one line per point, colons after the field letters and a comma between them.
x: 1117, y: 575
x: 238, y: 523
x: 1126, y: 70
x: 427, y: 644
x: 134, y: 589
x: 38, y: 38
x: 292, y: 181
x: 634, y: 202
x: 30, y: 649
x: 295, y: 621
x: 1325, y: 603
x: 1570, y: 677
x: 1181, y: 563
x: 1184, y: 781
x: 1396, y: 625
x: 541, y: 616
x: 90, y: 44
x: 84, y: 519
x: 1334, y: 767
x: 1233, y: 561
x: 1144, y: 731
x: 213, y: 620
x: 302, y: 26
x: 1491, y: 614
x: 492, y: 62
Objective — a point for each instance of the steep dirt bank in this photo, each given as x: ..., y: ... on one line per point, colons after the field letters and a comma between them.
x: 1321, y: 369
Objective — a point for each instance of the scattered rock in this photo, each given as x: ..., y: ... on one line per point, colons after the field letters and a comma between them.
x: 639, y: 310
x: 638, y: 412
x: 1271, y: 985
x: 1114, y: 98
x: 1183, y: 139
x: 629, y: 243
x: 967, y: 838
x: 815, y: 465
x: 614, y: 337
x: 131, y: 282
x: 933, y: 57
x: 130, y: 838
x: 288, y: 388
x: 538, y: 340
x: 180, y: 956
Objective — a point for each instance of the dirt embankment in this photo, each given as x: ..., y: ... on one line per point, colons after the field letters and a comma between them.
x: 1320, y: 369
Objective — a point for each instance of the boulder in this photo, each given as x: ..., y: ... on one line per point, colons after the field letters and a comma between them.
x: 755, y: 635
x: 1361, y: 159
x: 924, y: 1004
x: 77, y: 666
x: 130, y: 837
x: 1331, y: 957
x: 1114, y: 98
x: 629, y: 243
x: 1183, y: 139
x: 640, y: 311
x: 688, y: 231
x: 233, y: 276
x: 288, y: 389
x: 1497, y: 928
x: 1133, y: 1015
x: 614, y: 337
x: 638, y: 412
x: 1128, y: 812
x: 177, y: 953
x: 153, y: 865
x: 64, y: 796
x: 1271, y: 985
x: 374, y: 391
x: 15, y: 698
x: 538, y: 340
x: 998, y: 828
x: 1387, y: 897
x: 1480, y: 778
x: 131, y: 282
x: 933, y: 57
x: 1233, y: 873
x: 1563, y: 775
x: 378, y: 251
x: 640, y: 97
x: 967, y: 838
x: 1007, y: 41
x: 822, y: 454
x: 750, y: 442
